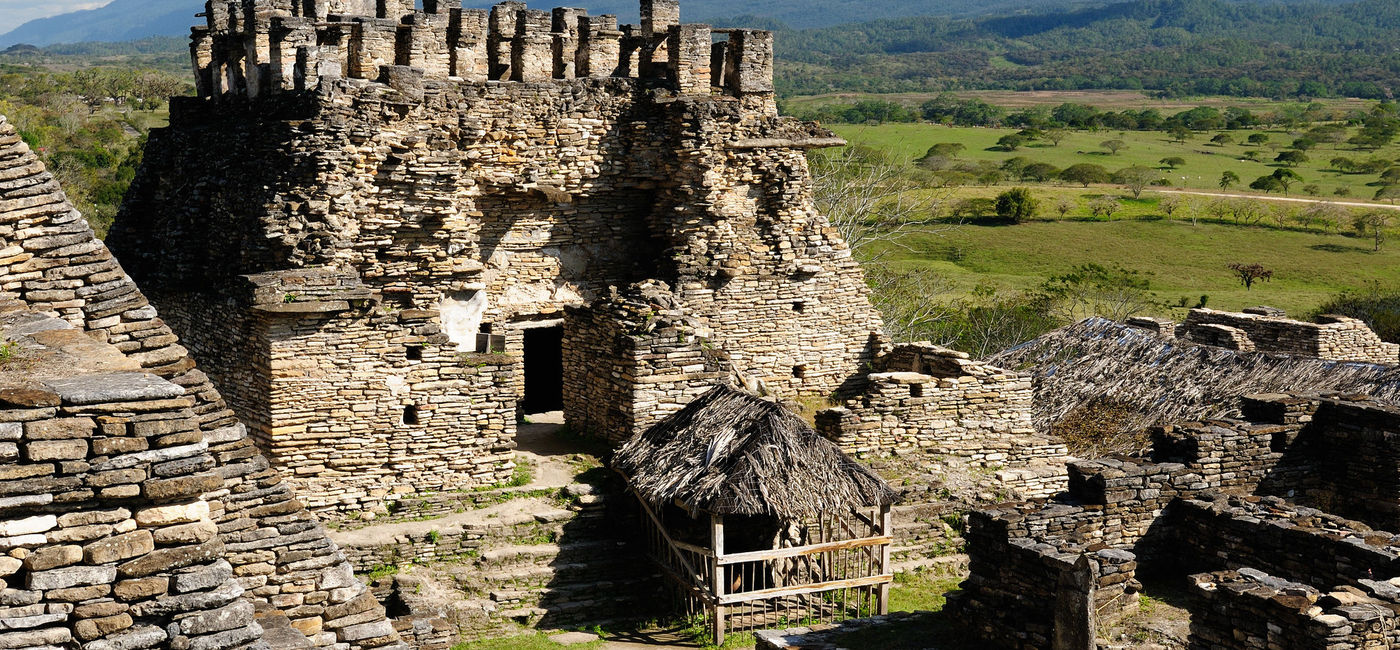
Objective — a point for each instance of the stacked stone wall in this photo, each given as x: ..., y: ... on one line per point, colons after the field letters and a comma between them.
x: 631, y: 361
x: 278, y: 552
x: 932, y: 400
x: 1254, y: 609
x: 1336, y: 338
x: 1194, y: 510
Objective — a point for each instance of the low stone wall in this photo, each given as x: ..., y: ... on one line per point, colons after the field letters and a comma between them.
x: 933, y: 400
x: 1249, y: 608
x: 1337, y: 338
x: 1193, y: 511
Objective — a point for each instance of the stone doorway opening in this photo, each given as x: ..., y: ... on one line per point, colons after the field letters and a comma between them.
x: 543, y: 361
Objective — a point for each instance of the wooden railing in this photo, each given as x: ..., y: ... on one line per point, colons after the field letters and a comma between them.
x: 822, y: 582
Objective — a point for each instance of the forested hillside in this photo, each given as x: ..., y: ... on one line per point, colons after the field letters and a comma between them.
x: 1181, y: 47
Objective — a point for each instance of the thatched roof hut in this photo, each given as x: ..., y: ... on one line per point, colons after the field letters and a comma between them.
x: 730, y: 453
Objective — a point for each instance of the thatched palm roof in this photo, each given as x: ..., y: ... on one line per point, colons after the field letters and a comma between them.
x: 1169, y: 380
x: 731, y: 453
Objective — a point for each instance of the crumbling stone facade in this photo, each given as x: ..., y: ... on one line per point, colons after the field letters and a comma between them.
x: 1221, y: 496
x: 923, y: 398
x: 1263, y: 329
x: 135, y: 511
x: 466, y: 177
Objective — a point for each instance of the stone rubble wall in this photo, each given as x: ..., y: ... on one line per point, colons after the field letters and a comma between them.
x: 1249, y: 608
x: 50, y: 260
x: 1188, y: 509
x: 1335, y: 338
x: 933, y: 400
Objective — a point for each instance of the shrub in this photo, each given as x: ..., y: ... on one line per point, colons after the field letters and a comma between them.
x: 1016, y: 205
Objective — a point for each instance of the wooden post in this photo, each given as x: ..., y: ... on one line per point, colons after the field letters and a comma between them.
x: 886, y: 530
x: 717, y: 586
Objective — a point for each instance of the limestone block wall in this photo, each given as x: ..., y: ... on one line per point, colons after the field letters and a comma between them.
x: 278, y: 552
x: 632, y: 360
x: 1337, y: 338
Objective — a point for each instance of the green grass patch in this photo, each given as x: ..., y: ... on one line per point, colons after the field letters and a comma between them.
x: 919, y: 591
x: 1205, y: 162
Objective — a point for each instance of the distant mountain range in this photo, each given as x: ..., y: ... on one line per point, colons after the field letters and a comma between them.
x: 122, y: 20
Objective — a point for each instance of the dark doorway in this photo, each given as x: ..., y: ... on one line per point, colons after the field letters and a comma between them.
x: 544, y: 370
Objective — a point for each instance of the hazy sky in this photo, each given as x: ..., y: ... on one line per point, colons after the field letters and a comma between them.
x: 14, y: 13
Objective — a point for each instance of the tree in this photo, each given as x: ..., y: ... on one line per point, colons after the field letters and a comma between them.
x: 1085, y: 174
x: 1064, y: 206
x: 1388, y: 193
x: 1312, y: 189
x: 1258, y: 139
x: 1104, y: 207
x: 1304, y: 144
x: 1286, y: 178
x: 946, y: 149
x: 1229, y: 179
x: 1172, y: 162
x: 1171, y: 204
x: 1222, y: 139
x: 1114, y: 146
x: 1292, y: 158
x: 1016, y: 205
x: 1114, y: 293
x: 1039, y: 172
x: 1056, y: 136
x: 1011, y: 142
x: 1136, y: 179
x: 1266, y: 184
x: 1251, y: 273
x: 1343, y: 164
x: 1180, y: 134
x: 1391, y: 176
x: 990, y: 177
x: 1328, y: 216
x: 1373, y: 223
x: 869, y: 197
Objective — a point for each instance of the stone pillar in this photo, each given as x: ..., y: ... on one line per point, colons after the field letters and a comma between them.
x: 600, y: 46
x: 689, y: 47
x: 566, y: 40
x: 503, y: 25
x: 373, y: 43
x: 658, y: 16
x: 393, y: 10
x: 287, y: 37
x: 423, y: 44
x: 468, y: 38
x: 202, y: 59
x: 630, y: 51
x: 532, y: 57
x: 444, y: 7
x: 748, y: 68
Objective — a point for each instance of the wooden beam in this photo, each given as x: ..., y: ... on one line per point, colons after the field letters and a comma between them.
x: 719, y: 583
x: 886, y: 529
x: 798, y: 551
x: 783, y: 592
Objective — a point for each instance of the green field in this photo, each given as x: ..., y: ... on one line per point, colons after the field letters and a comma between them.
x: 1183, y: 261
x: 1115, y: 100
x: 1205, y: 161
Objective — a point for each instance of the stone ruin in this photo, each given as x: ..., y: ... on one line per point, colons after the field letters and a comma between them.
x: 1276, y: 518
x: 439, y: 221
x: 135, y: 510
x: 399, y: 261
x: 1266, y: 329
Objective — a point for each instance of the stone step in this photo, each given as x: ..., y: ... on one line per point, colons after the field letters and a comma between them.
x: 540, y: 576
x: 570, y: 593
x: 532, y: 554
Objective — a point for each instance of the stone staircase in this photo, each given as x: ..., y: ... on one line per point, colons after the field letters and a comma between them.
x: 529, y: 563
